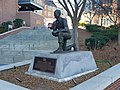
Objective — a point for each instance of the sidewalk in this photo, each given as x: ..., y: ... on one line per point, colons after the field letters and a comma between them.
x: 9, y: 86
x: 101, y: 81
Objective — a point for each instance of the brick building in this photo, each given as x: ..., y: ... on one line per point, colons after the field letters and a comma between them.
x: 24, y: 9
x: 48, y: 11
x: 8, y: 10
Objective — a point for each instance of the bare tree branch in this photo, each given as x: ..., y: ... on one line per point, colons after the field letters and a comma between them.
x: 82, y: 9
x: 76, y: 2
x: 79, y: 3
x: 76, y: 8
x: 65, y: 7
x: 105, y: 11
x: 69, y: 13
x: 71, y: 6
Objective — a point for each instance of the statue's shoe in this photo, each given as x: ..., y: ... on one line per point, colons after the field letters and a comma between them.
x: 58, y: 51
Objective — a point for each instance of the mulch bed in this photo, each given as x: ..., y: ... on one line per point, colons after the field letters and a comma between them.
x: 105, y: 58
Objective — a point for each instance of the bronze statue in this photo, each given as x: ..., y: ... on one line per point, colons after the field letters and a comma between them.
x: 61, y: 30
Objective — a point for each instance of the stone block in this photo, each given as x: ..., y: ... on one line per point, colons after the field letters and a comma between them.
x: 68, y: 65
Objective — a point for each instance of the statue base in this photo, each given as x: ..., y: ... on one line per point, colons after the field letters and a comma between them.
x: 62, y: 67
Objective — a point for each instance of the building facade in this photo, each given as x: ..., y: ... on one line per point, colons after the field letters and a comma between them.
x: 48, y: 12
x: 100, y: 9
x: 8, y: 10
x: 24, y: 9
x: 102, y: 18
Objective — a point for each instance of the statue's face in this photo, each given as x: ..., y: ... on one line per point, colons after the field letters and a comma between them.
x: 57, y: 14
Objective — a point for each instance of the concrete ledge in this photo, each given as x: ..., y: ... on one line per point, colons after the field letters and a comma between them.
x: 101, y: 81
x: 5, y: 67
x: 9, y: 86
x: 14, y: 31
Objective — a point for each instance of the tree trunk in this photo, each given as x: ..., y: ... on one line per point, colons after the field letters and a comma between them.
x: 90, y: 21
x: 75, y: 34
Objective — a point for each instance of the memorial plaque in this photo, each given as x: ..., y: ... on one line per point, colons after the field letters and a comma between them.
x: 45, y: 64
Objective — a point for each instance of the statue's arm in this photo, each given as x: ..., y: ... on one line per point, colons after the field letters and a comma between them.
x: 65, y: 24
x: 55, y: 32
x: 54, y: 26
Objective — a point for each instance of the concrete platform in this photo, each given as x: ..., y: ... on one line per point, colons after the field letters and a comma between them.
x: 68, y: 65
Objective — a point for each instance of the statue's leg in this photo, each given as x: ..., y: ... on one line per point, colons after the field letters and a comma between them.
x: 60, y: 41
x: 68, y: 48
x: 66, y: 37
x: 64, y: 45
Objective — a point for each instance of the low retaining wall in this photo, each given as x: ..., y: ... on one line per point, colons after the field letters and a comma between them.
x: 14, y: 31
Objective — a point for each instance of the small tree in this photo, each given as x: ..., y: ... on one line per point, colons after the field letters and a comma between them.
x: 90, y: 10
x: 115, y: 15
x: 74, y: 9
x: 110, y: 10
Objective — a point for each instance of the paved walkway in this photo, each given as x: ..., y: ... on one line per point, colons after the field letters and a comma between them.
x: 9, y: 86
x: 101, y: 81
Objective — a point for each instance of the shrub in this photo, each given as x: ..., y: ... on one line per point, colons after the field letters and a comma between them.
x: 82, y: 24
x: 90, y: 43
x: 93, y: 28
x: 111, y: 34
x: 18, y: 22
x: 100, y: 39
x: 96, y: 34
x: 5, y: 25
x: 114, y: 26
x: 96, y: 42
x: 2, y: 29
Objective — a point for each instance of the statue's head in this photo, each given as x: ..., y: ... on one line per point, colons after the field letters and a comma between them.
x: 57, y: 13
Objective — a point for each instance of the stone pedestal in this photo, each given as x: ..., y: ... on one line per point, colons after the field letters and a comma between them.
x: 68, y: 65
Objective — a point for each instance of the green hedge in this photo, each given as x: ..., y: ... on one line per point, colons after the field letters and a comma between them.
x: 100, y: 39
x: 5, y: 24
x: 18, y: 23
x: 111, y: 34
x: 95, y: 42
x: 2, y: 29
x: 93, y: 28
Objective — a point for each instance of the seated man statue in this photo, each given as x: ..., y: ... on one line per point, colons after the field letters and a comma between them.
x: 61, y: 30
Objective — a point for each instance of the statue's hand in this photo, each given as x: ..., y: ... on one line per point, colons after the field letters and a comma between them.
x: 50, y: 25
x: 55, y: 33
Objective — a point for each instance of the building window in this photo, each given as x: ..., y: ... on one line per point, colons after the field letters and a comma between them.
x: 99, y: 21
x: 46, y: 13
x: 45, y: 6
x: 50, y: 8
